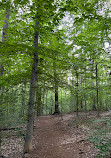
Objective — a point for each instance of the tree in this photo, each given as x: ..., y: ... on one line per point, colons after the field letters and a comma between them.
x: 3, y: 39
x: 56, y: 92
x: 30, y: 117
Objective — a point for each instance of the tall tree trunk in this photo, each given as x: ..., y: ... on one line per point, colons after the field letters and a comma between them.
x: 3, y: 39
x: 81, y: 94
x: 30, y: 117
x: 97, y: 90
x: 93, y: 95
x: 85, y: 104
x: 43, y: 102
x: 61, y: 104
x: 46, y: 102
x: 56, y: 92
x: 51, y: 104
x: 77, y: 110
x: 85, y: 101
x: 72, y: 90
x: 56, y: 99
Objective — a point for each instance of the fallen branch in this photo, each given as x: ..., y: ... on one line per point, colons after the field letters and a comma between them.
x: 12, y: 128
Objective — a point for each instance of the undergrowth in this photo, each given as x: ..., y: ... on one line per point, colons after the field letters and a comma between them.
x: 100, y: 136
x: 99, y: 133
x: 79, y: 121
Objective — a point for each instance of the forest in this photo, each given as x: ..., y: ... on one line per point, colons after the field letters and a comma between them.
x: 55, y: 78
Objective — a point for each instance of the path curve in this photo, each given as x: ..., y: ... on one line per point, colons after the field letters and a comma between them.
x: 54, y: 139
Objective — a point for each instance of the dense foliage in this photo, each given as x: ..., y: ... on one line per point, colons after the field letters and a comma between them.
x: 73, y: 53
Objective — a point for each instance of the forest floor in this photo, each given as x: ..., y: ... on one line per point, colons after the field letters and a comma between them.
x: 56, y: 136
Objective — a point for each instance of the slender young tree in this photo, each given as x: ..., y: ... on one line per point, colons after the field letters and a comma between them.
x: 61, y: 104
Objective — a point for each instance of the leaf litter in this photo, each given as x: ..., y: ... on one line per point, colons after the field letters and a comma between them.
x: 54, y: 137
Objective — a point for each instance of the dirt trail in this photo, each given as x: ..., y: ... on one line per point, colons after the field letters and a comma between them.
x: 54, y: 139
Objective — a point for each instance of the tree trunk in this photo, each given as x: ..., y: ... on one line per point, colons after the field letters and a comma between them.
x: 61, y: 105
x: 43, y: 102
x: 85, y: 106
x: 77, y: 93
x: 85, y: 101
x: 56, y: 100
x: 46, y: 103
x: 56, y: 92
x: 97, y: 90
x: 30, y: 117
x: 3, y: 39
x: 81, y: 94
x: 93, y: 96
x: 5, y: 26
x: 51, y: 104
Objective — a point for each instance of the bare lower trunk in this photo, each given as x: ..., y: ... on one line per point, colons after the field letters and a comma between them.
x: 51, y: 105
x: 56, y: 100
x: 93, y: 96
x: 56, y: 91
x: 46, y: 102
x: 30, y: 116
x: 77, y: 106
x: 81, y: 102
x: 97, y: 90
